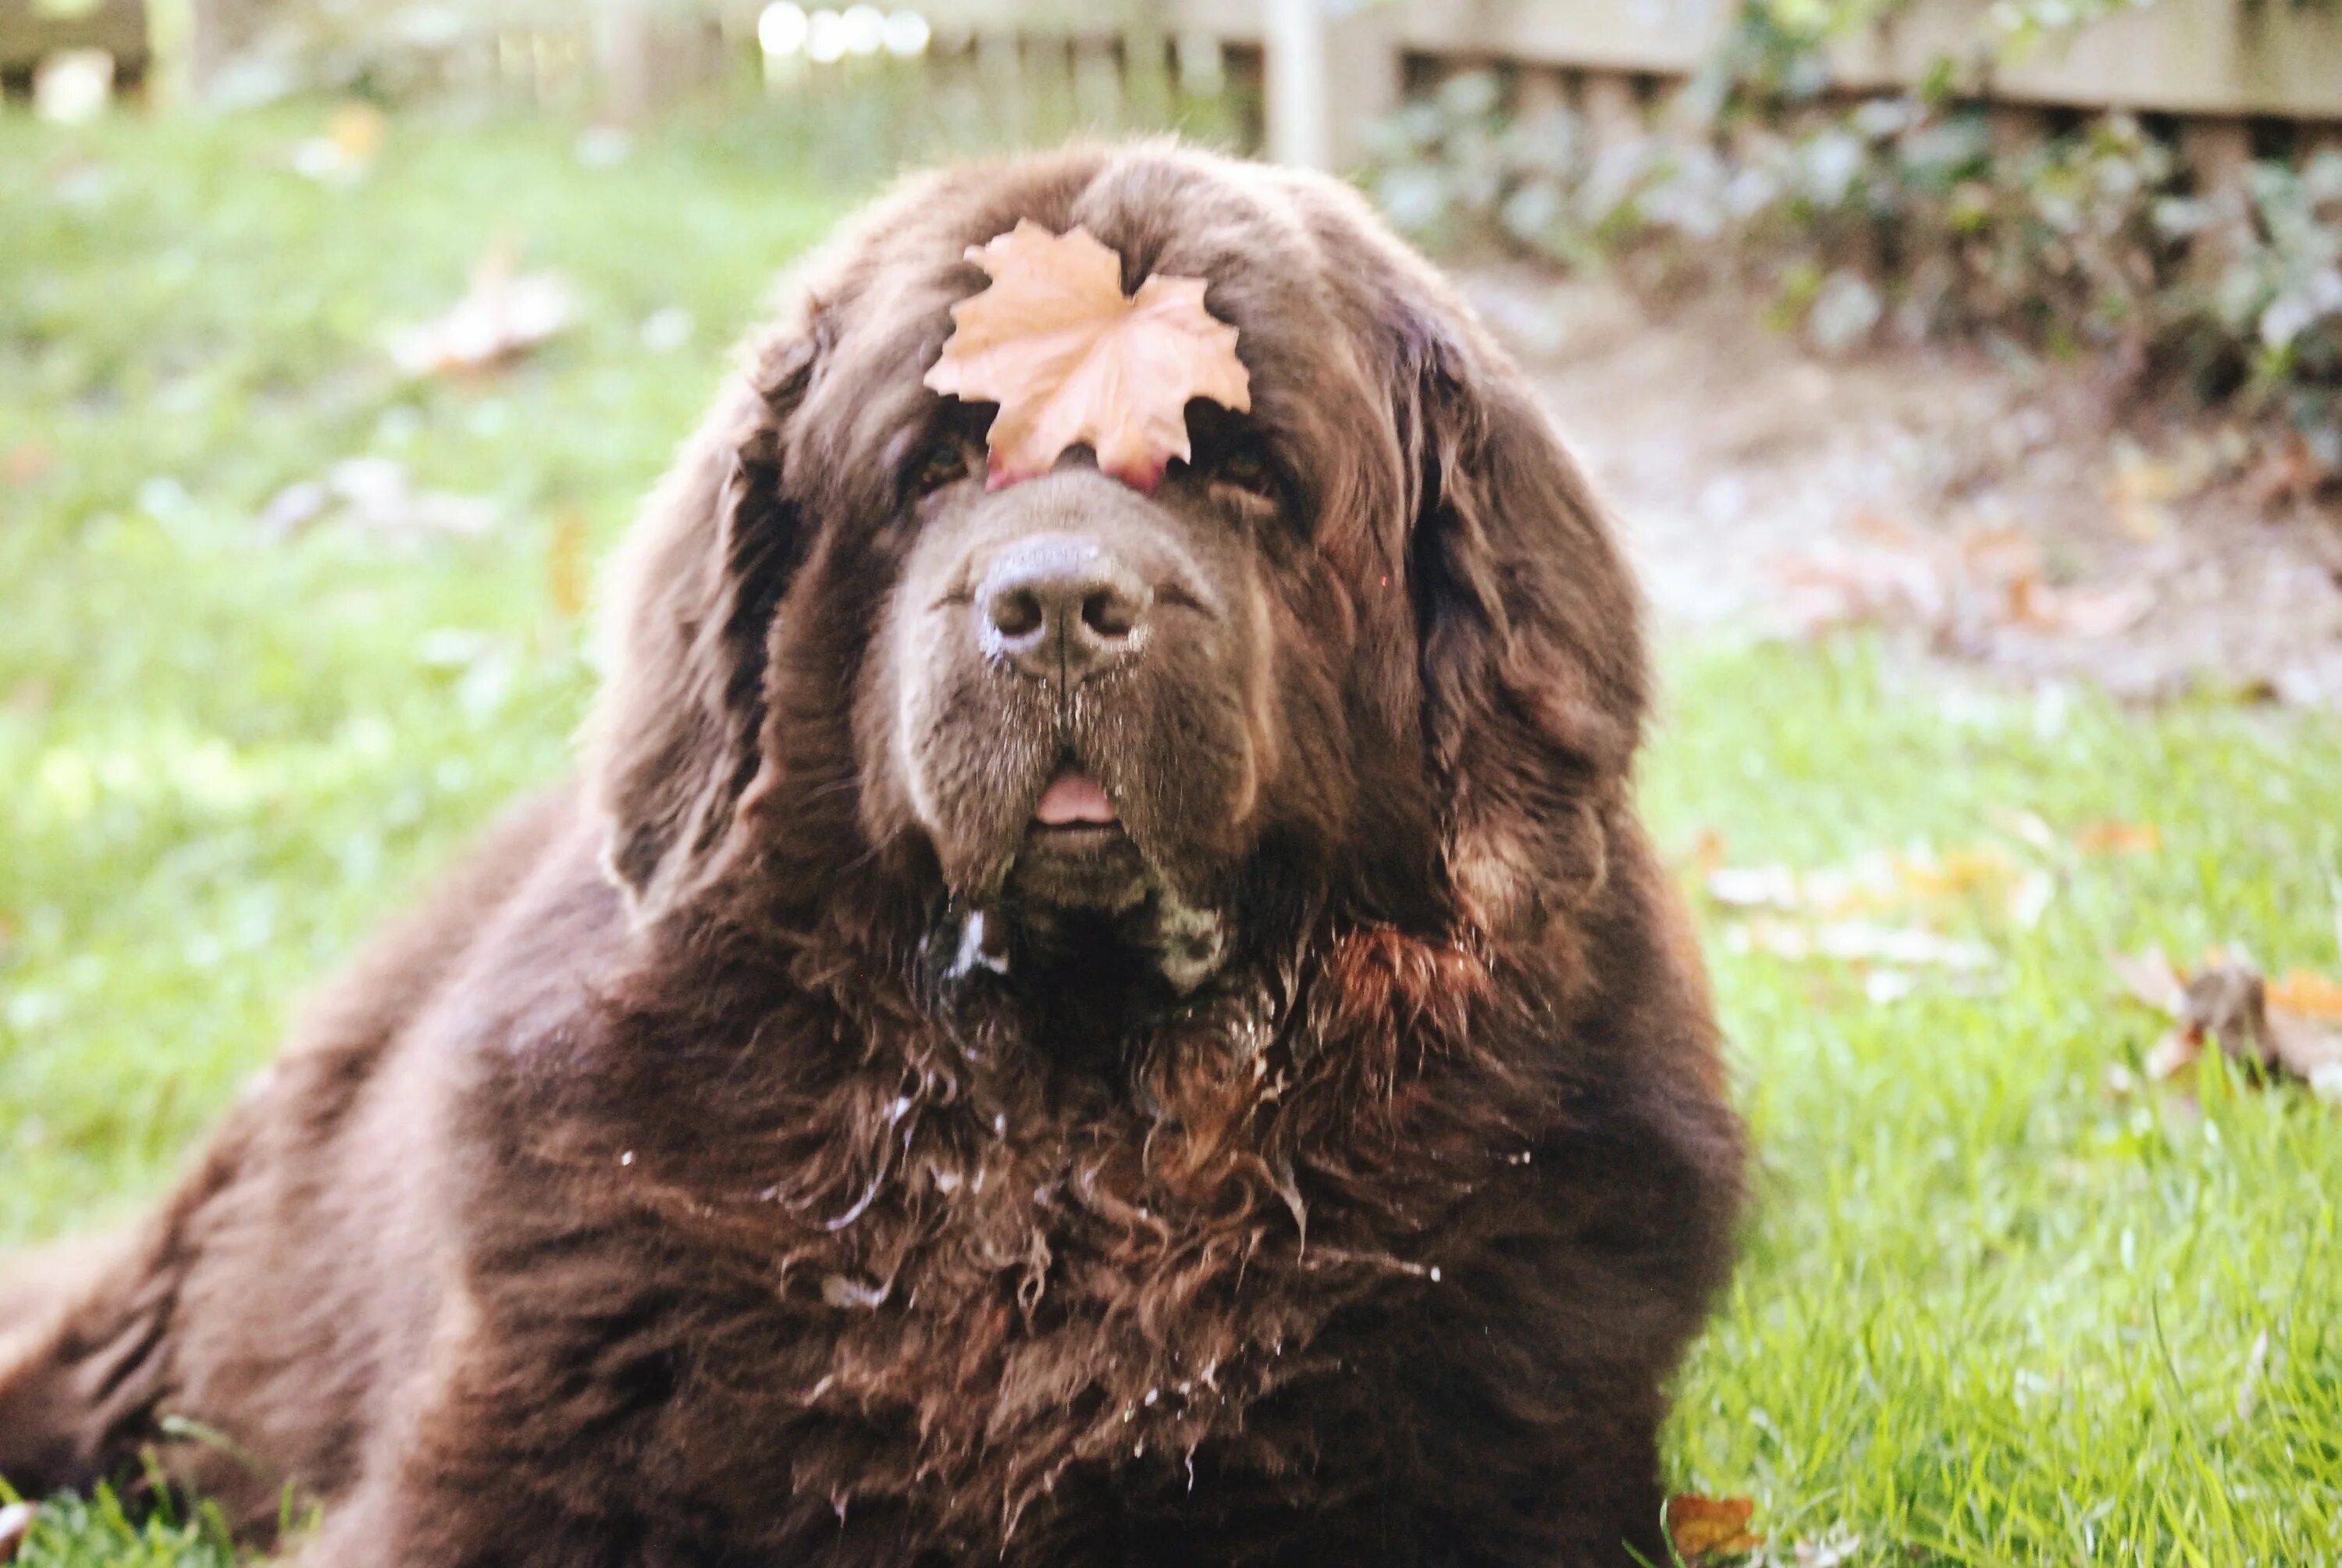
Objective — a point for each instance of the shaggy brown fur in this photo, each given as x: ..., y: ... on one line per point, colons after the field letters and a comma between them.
x: 785, y: 1152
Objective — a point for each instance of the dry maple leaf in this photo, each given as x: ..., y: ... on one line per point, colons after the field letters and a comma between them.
x: 16, y: 1528
x: 2307, y: 994
x: 2118, y: 838
x: 1711, y: 1526
x: 2277, y: 1029
x: 503, y: 315
x: 1073, y: 361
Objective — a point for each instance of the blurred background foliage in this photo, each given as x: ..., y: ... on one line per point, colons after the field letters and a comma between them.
x: 1910, y: 215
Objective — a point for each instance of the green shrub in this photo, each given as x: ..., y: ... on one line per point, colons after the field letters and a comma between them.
x: 1900, y: 215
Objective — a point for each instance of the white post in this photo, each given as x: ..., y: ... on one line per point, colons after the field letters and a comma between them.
x: 1300, y: 120
x: 625, y: 48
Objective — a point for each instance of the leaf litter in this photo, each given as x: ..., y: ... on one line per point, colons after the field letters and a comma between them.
x: 1890, y: 490
x: 1965, y: 591
x: 352, y: 139
x: 373, y: 495
x: 505, y: 315
x: 1877, y: 912
x: 2290, y: 1029
x: 1705, y: 1529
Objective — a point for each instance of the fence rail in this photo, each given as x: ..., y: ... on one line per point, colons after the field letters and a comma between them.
x: 2215, y: 64
x: 2244, y: 58
x: 30, y: 32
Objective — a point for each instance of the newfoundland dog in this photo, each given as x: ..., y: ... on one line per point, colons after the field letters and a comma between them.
x: 1065, y: 1023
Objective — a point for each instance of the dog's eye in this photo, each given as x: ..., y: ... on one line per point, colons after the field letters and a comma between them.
x: 944, y: 461
x: 1246, y: 469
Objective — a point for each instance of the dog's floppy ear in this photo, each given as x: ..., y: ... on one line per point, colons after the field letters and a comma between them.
x: 671, y: 743
x: 1529, y: 630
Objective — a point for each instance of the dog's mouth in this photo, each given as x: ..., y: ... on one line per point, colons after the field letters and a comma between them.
x: 1076, y: 856
x: 1073, y: 800
x: 1080, y: 890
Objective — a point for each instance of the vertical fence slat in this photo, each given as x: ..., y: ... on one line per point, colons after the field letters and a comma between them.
x: 2219, y: 155
x: 1368, y: 70
x: 1300, y: 113
x: 1203, y: 64
x: 1147, y: 91
x: 1000, y: 69
x: 1613, y: 110
x: 1097, y: 83
x: 1540, y: 92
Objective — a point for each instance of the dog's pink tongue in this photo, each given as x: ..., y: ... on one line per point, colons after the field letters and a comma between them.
x: 1071, y: 798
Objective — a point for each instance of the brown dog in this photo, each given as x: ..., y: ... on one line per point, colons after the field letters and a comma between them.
x: 1309, y: 1149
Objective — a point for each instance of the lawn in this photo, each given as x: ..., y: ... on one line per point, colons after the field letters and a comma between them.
x: 1994, y: 1311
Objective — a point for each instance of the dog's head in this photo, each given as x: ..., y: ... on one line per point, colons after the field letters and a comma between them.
x: 1371, y: 652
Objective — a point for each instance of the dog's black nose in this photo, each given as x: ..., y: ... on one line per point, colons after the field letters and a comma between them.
x: 1061, y: 608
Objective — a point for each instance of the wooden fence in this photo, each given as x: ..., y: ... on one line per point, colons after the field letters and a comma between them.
x: 2237, y: 75
x: 2226, y: 62
x: 30, y: 32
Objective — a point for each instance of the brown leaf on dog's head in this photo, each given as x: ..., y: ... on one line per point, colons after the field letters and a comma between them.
x: 1073, y: 361
x: 1705, y: 1528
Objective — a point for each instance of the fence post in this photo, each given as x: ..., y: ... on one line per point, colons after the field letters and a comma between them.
x: 1613, y: 110
x: 1539, y: 92
x: 1300, y: 118
x: 216, y: 30
x: 1000, y: 72
x: 626, y: 47
x: 2219, y: 153
x: 1098, y: 83
x: 1146, y: 89
x: 1363, y: 55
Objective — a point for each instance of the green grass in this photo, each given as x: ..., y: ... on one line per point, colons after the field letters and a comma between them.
x: 1991, y: 1312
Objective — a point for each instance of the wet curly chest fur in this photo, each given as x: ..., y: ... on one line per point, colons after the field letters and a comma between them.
x: 1014, y: 1280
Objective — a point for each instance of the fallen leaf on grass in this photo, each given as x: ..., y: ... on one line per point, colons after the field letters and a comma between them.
x: 1704, y: 1527
x: 1072, y: 360
x: 504, y: 315
x: 1694, y: 863
x: 2151, y: 978
x: 1859, y: 942
x: 565, y: 562
x: 375, y: 495
x: 1881, y: 883
x: 352, y: 137
x: 2228, y: 1003
x: 2118, y: 838
x: 2306, y: 994
x: 1834, y: 1549
x: 1756, y: 887
x: 1841, y: 908
x: 15, y: 1524
x: 27, y: 463
x: 1963, y: 591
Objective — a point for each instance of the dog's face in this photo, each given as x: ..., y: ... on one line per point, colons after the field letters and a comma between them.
x: 1369, y: 652
x: 1094, y: 703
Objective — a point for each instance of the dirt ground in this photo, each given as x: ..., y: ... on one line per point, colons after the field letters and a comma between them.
x: 1993, y: 513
